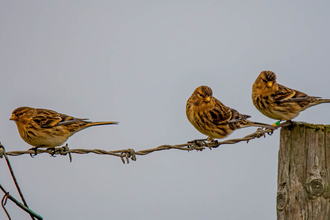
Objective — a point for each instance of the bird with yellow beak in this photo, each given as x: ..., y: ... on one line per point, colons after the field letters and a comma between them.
x: 280, y: 102
x: 212, y: 118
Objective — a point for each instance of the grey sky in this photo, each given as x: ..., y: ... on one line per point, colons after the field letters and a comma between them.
x: 138, y: 62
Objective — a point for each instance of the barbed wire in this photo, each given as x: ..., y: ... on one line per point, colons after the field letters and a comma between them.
x: 127, y: 154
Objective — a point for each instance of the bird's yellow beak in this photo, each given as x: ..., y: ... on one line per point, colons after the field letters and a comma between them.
x: 208, y: 99
x: 13, y: 117
x: 269, y: 84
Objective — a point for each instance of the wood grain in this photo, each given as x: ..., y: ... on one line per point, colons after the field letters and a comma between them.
x: 303, y: 186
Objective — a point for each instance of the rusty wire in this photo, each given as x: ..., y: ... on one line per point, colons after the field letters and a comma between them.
x: 14, y: 178
x: 8, y: 196
x: 18, y: 203
x: 3, y: 204
x: 127, y: 154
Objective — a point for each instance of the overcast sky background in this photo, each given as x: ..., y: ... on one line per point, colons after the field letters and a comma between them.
x: 137, y: 62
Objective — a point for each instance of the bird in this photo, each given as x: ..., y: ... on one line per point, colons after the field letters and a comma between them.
x: 280, y: 102
x: 212, y: 118
x: 44, y: 128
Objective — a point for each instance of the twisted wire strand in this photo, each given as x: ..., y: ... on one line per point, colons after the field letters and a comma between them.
x: 3, y: 204
x: 8, y: 196
x: 14, y: 179
x: 127, y: 154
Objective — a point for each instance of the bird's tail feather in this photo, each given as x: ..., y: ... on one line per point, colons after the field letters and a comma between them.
x: 101, y: 123
x: 319, y: 101
x: 257, y: 124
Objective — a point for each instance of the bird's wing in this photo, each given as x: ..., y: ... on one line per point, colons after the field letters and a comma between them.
x: 70, y: 118
x: 222, y: 114
x: 299, y: 94
x: 47, y: 118
x: 237, y: 117
x: 77, y: 121
x: 283, y: 93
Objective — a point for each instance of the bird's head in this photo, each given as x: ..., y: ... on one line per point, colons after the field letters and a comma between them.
x: 22, y: 114
x: 202, y: 96
x: 266, y: 81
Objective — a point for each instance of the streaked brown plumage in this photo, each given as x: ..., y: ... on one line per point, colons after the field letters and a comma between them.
x: 280, y: 102
x: 212, y: 118
x: 47, y: 128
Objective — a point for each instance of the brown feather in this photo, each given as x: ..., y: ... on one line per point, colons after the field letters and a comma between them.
x: 279, y: 102
x: 213, y: 118
x: 47, y: 128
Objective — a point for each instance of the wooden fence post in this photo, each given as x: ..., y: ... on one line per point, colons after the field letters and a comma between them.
x: 303, y: 183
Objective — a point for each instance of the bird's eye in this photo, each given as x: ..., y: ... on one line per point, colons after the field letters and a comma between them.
x: 200, y: 95
x: 265, y: 81
x: 19, y: 114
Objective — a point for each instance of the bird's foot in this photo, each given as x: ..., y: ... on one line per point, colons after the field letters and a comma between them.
x: 211, y: 141
x: 214, y: 142
x: 53, y: 149
x: 35, y: 149
x: 198, y: 142
x: 270, y: 131
x: 290, y: 127
x: 292, y: 123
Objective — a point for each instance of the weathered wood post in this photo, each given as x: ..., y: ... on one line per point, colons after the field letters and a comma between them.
x: 303, y: 183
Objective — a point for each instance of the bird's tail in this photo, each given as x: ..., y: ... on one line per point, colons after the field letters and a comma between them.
x: 319, y: 101
x: 316, y: 101
x: 90, y: 124
x: 256, y: 124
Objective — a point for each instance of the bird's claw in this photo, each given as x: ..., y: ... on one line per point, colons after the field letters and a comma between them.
x: 198, y: 143
x: 290, y: 127
x: 270, y: 132
x: 53, y: 149
x: 204, y: 143
x: 35, y: 151
x: 214, y: 142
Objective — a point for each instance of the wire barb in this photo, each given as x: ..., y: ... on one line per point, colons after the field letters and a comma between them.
x: 2, y: 151
x: 64, y: 150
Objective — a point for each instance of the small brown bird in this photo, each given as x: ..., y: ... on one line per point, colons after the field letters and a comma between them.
x: 280, y: 102
x: 46, y: 128
x: 210, y: 117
